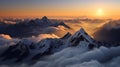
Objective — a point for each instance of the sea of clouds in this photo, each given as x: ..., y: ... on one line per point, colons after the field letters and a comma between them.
x: 78, y: 57
x: 6, y: 40
x: 72, y: 56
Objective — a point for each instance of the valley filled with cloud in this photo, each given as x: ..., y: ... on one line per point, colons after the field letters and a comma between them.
x: 44, y: 42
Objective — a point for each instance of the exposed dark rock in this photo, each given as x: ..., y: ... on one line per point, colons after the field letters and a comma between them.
x: 66, y: 36
x: 91, y: 46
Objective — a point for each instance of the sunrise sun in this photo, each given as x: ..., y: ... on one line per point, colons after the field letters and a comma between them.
x: 100, y: 12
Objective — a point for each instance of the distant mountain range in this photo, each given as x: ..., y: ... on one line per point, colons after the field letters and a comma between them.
x: 28, y: 28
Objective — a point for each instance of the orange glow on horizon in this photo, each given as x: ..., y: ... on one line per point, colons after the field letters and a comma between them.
x: 71, y: 12
x: 39, y: 8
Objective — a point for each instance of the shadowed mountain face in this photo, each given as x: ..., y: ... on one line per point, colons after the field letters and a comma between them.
x: 29, y: 28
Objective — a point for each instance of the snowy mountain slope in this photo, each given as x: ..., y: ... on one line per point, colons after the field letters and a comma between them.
x: 81, y: 38
x: 26, y: 50
x: 22, y: 50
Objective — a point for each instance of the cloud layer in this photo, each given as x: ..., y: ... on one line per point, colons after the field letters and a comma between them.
x: 79, y: 57
x: 109, y: 31
x: 6, y: 40
x: 74, y: 56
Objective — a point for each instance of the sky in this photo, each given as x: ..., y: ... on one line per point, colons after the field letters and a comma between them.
x: 38, y: 8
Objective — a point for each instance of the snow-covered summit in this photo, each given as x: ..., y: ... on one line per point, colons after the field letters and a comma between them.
x: 81, y: 38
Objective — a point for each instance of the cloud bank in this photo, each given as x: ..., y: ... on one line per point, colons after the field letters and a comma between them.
x: 109, y: 31
x: 79, y: 57
x: 6, y: 40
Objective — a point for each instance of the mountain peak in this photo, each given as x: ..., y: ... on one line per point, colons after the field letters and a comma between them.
x: 67, y: 35
x: 82, y: 30
x: 83, y: 33
x: 45, y: 19
x: 80, y: 38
